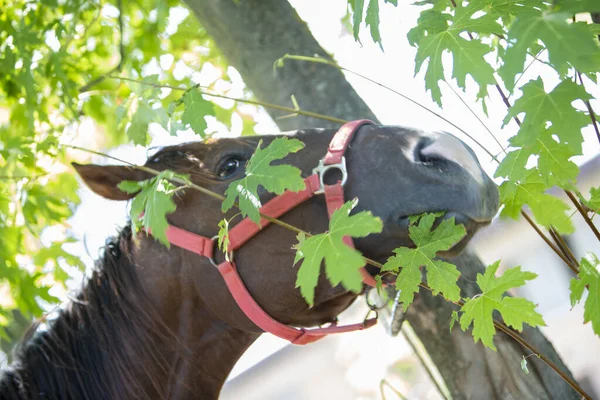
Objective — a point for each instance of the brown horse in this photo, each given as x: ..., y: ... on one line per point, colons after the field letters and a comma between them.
x: 157, y: 323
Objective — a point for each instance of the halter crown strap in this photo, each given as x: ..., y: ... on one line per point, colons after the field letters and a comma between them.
x: 276, y: 207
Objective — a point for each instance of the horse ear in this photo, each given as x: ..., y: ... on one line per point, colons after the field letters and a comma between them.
x: 104, y: 180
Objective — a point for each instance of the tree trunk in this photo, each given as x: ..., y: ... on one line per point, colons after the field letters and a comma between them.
x: 252, y: 34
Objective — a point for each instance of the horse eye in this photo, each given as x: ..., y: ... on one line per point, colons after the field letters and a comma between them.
x: 229, y: 167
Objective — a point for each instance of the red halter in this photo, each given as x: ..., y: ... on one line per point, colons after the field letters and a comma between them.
x: 246, y: 229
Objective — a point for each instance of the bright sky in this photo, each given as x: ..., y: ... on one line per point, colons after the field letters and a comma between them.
x: 97, y: 219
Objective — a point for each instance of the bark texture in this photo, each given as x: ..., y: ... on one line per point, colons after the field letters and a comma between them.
x: 252, y: 34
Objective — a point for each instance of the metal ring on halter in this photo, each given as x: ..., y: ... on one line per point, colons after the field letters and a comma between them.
x: 322, y: 169
x: 229, y: 256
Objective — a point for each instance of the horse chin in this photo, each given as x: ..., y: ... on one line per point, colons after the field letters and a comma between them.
x: 325, y: 311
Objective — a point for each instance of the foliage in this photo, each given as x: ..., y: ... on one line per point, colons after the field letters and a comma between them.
x: 259, y: 171
x: 515, y: 311
x: 589, y: 277
x: 441, y: 276
x: 342, y: 262
x: 492, y: 41
x: 119, y: 65
x: 55, y: 59
x: 152, y: 203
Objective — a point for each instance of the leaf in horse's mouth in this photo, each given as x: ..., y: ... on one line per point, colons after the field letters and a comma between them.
x: 429, y: 240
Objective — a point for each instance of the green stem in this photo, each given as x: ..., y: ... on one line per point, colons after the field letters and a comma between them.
x: 333, y: 64
x: 583, y: 213
x: 385, y: 383
x: 201, y: 89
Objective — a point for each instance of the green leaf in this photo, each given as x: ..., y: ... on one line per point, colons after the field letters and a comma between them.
x: 505, y: 9
x: 577, y: 6
x: 568, y: 44
x: 453, y: 320
x: 441, y: 276
x: 594, y: 201
x: 260, y: 172
x: 154, y: 201
x: 515, y: 311
x: 589, y: 277
x: 138, y: 128
x: 548, y: 210
x: 223, y: 238
x: 372, y: 20
x: 342, y: 262
x: 555, y: 109
x: 467, y: 55
x: 196, y: 108
x: 358, y: 7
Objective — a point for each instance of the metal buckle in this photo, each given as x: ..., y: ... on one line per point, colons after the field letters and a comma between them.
x: 322, y: 169
x: 211, y: 259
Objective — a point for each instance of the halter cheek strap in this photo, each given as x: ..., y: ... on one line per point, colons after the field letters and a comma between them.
x: 276, y: 207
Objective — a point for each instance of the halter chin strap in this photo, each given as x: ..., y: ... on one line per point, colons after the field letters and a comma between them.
x: 276, y: 207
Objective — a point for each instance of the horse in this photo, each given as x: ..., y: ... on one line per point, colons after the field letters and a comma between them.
x: 154, y: 322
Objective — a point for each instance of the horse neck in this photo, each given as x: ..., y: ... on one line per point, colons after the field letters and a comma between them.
x: 119, y: 340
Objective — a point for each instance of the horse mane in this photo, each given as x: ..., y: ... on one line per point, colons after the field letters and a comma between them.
x: 93, y: 349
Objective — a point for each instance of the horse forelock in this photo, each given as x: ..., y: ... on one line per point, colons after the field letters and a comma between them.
x: 93, y: 349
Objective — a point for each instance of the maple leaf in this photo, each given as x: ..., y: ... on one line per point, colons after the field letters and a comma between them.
x: 152, y: 203
x: 441, y: 276
x: 550, y: 129
x: 548, y: 210
x: 196, y: 108
x: 260, y: 172
x: 371, y: 19
x: 515, y: 311
x: 568, y: 44
x: 594, y: 201
x: 589, y: 277
x: 138, y: 128
x: 342, y: 263
x: 505, y: 9
x: 467, y: 55
x: 577, y: 6
x: 541, y: 108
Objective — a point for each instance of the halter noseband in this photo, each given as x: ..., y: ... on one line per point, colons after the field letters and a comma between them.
x: 276, y: 207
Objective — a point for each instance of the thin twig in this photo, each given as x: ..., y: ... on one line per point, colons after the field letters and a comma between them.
x: 544, y: 237
x: 421, y: 353
x: 583, y: 213
x: 476, y: 116
x: 566, y: 251
x: 588, y: 105
x: 384, y: 383
x: 246, y: 101
x: 367, y: 260
x: 507, y: 103
x: 333, y: 64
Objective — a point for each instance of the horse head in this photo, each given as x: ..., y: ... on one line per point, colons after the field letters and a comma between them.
x: 393, y: 172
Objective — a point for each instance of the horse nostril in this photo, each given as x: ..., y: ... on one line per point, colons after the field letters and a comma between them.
x: 426, y: 155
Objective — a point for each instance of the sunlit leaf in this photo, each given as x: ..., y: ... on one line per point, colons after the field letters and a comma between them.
x: 515, y: 311
x: 260, y: 172
x: 342, y: 263
x: 152, y: 203
x: 568, y: 44
x: 588, y: 278
x: 441, y: 276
